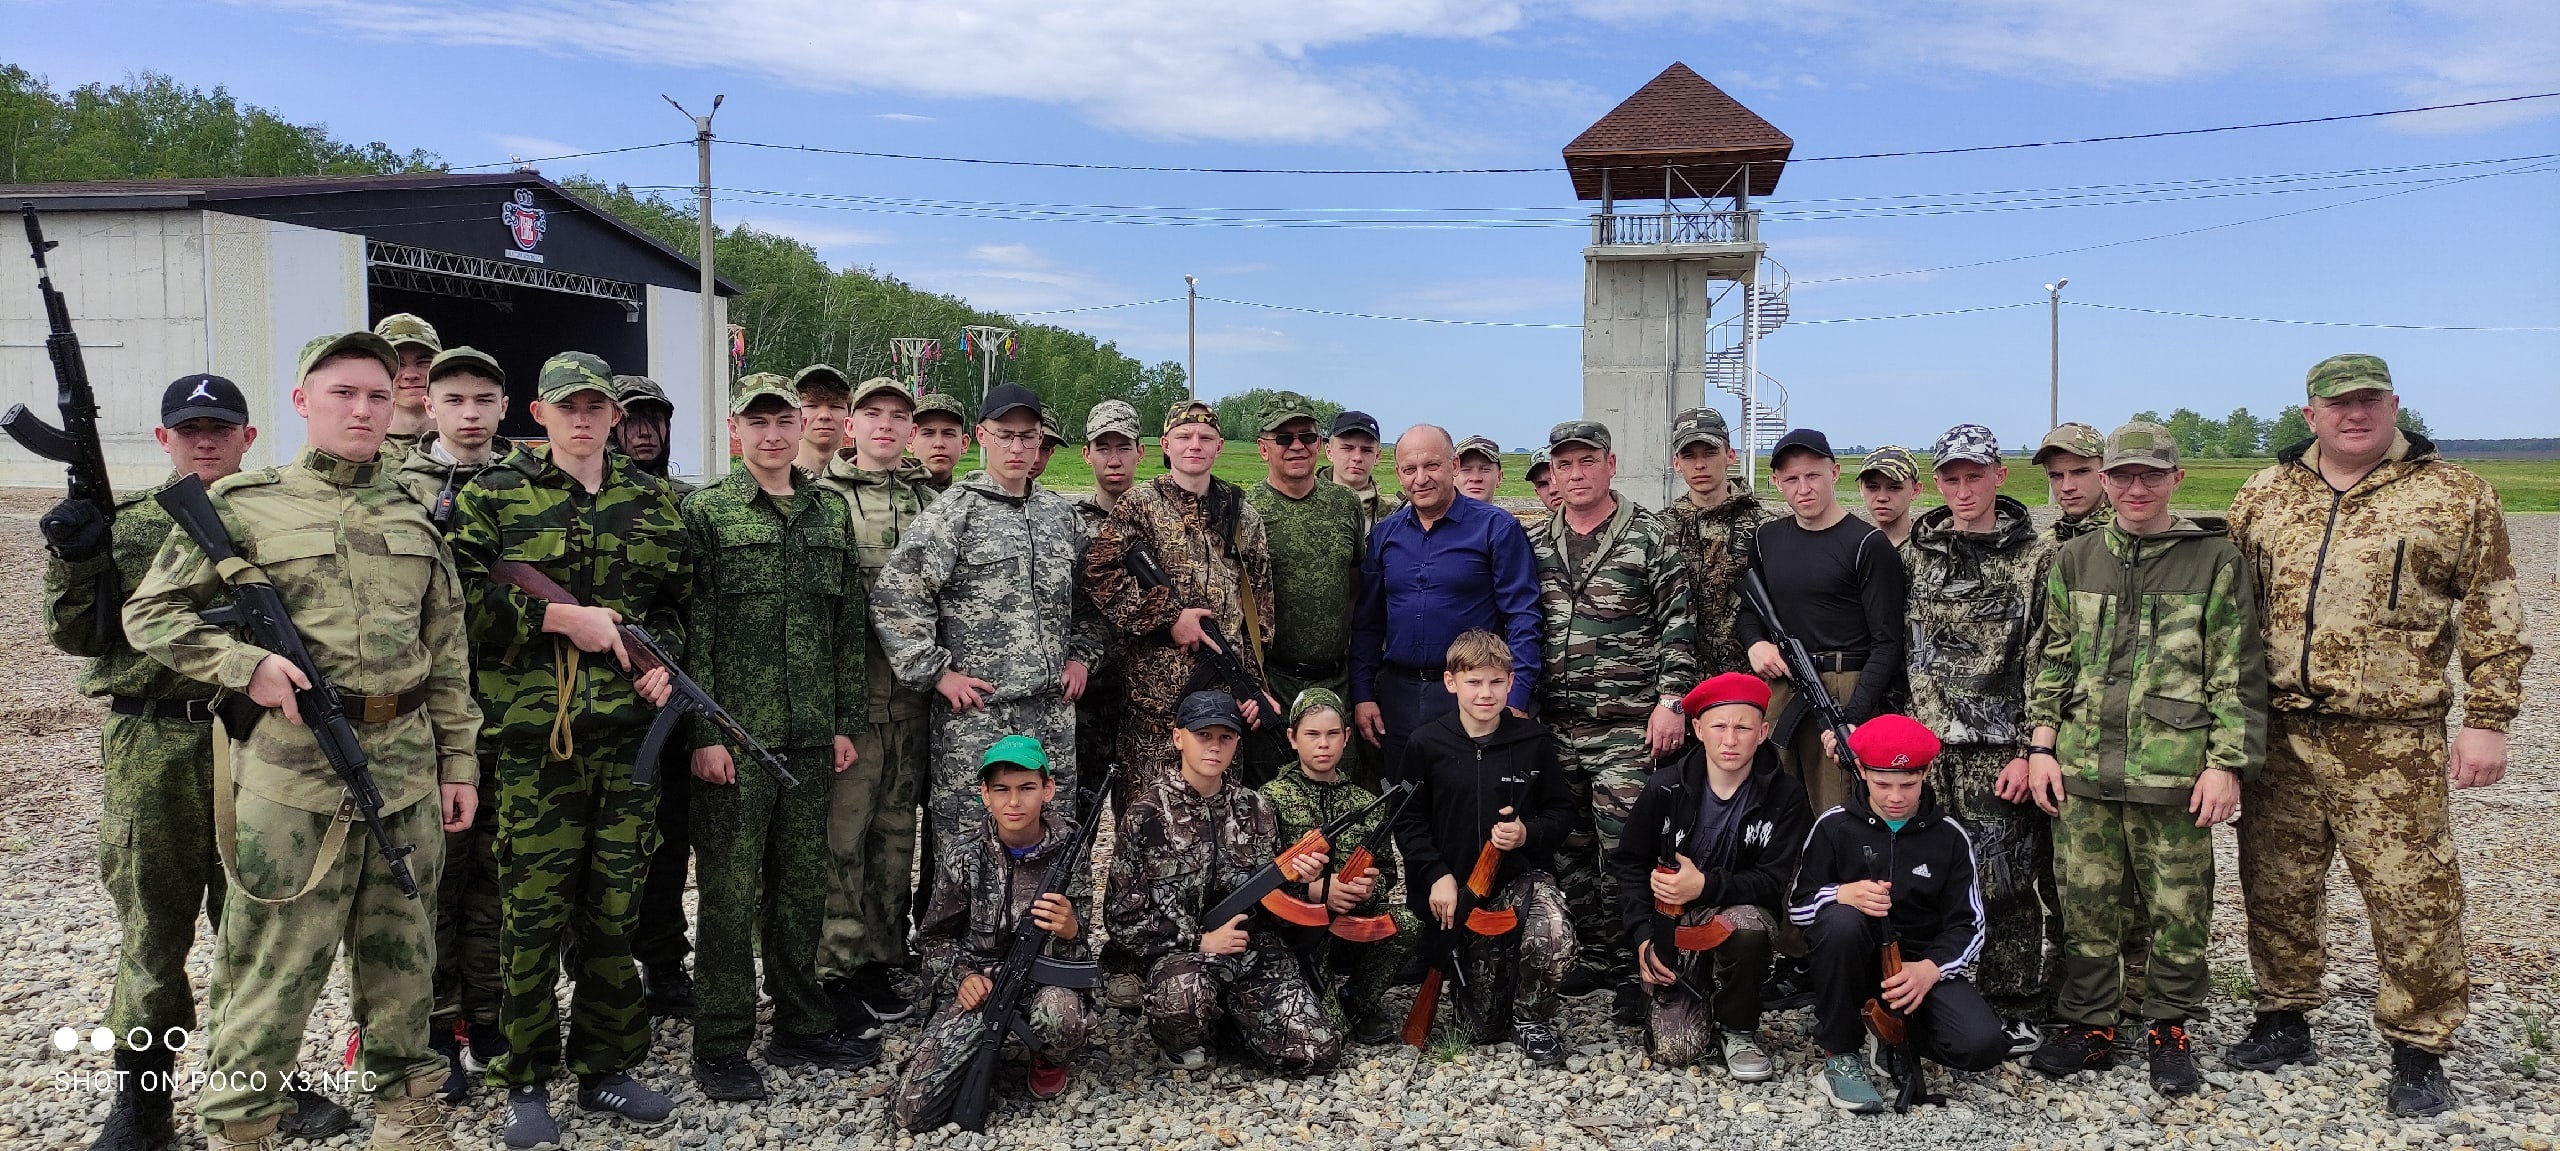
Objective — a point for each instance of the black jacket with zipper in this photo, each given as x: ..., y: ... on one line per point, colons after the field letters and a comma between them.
x: 1937, y: 904
x: 1464, y: 786
x: 1754, y: 866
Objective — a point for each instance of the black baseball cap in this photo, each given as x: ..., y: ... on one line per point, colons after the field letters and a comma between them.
x: 1361, y: 422
x: 202, y: 396
x: 1207, y: 709
x: 1004, y: 398
x: 1801, y: 439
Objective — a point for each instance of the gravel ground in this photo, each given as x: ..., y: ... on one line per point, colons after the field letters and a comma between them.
x: 56, y: 954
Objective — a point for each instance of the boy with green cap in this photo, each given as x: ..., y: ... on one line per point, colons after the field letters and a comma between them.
x: 414, y: 342
x: 942, y: 437
x: 1352, y: 977
x: 1888, y: 480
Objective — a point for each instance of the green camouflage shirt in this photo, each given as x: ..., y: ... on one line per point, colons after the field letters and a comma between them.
x: 1315, y: 548
x: 1376, y: 502
x: 2067, y: 529
x: 776, y: 611
x: 1716, y: 544
x: 1975, y: 604
x: 71, y: 607
x: 1303, y: 805
x: 882, y: 505
x: 425, y: 477
x: 1617, y: 629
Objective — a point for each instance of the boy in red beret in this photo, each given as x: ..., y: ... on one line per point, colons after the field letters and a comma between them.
x: 1888, y: 860
x: 1716, y: 834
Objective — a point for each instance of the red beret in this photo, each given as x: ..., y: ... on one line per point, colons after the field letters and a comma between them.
x: 1731, y: 687
x: 1894, y: 743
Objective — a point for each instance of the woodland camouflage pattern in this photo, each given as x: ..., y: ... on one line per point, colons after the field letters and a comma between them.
x: 2101, y: 848
x: 1175, y: 524
x: 1716, y: 545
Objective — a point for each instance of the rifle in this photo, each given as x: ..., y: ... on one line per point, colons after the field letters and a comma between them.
x: 688, y: 698
x: 1810, y: 694
x: 1025, y: 967
x: 1364, y: 861
x: 259, y: 615
x: 74, y: 444
x: 1452, y: 962
x: 1264, y: 886
x: 1890, y: 1027
x: 1673, y: 941
x: 1220, y: 657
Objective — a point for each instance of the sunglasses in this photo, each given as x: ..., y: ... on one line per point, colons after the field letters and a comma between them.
x: 1296, y: 439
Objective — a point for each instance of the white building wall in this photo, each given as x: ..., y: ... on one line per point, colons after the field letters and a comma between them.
x: 700, y: 436
x: 1643, y: 336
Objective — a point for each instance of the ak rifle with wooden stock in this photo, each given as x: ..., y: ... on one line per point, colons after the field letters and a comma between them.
x: 1892, y: 1028
x: 1364, y: 861
x: 1673, y: 941
x: 1451, y: 964
x: 1810, y: 695
x: 1264, y: 886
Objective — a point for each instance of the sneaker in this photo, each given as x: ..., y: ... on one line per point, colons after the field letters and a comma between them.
x: 1540, y: 1042
x: 1375, y: 1028
x: 667, y: 990
x: 2418, y: 1086
x: 314, y: 1116
x: 2076, y: 1048
x: 1787, y: 989
x: 833, y: 1051
x: 2275, y: 1038
x: 1844, y: 1081
x: 1125, y: 992
x: 529, y: 1122
x: 442, y: 1040
x: 620, y: 1094
x: 1187, y: 1059
x: 2025, y: 1038
x: 1048, y: 1080
x: 729, y: 1079
x: 1745, y: 1059
x: 853, y: 1017
x: 415, y: 1120
x: 1583, y: 981
x: 1633, y: 1008
x: 488, y: 1042
x: 879, y: 992
x: 2173, y: 1064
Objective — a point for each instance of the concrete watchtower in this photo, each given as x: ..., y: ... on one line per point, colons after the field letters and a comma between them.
x: 1650, y: 279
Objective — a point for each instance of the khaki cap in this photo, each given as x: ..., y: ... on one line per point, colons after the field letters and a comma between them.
x: 323, y: 347
x: 877, y: 385
x: 1111, y: 418
x: 2075, y: 439
x: 2141, y: 444
x: 465, y: 359
x: 402, y: 328
x: 761, y: 385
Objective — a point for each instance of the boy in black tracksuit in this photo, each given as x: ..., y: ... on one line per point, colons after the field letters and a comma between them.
x: 1889, y: 860
x: 1484, y: 776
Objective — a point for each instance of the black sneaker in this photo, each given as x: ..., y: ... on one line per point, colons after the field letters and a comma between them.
x: 1582, y: 981
x: 488, y: 1042
x: 1540, y: 1042
x: 441, y: 1040
x: 1375, y: 1028
x: 729, y: 1079
x: 1789, y: 987
x: 2173, y: 1063
x: 667, y: 990
x: 853, y: 1017
x: 617, y: 1093
x: 1634, y: 1007
x: 314, y: 1116
x: 833, y: 1051
x: 2275, y: 1038
x: 878, y: 989
x: 2418, y: 1086
x: 2076, y: 1048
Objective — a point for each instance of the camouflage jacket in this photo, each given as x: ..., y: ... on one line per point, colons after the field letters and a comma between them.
x: 882, y: 505
x: 980, y: 891
x: 426, y: 478
x: 1175, y: 523
x: 1315, y: 546
x: 72, y: 610
x: 1975, y: 604
x: 1618, y: 631
x: 2149, y: 663
x: 775, y: 612
x: 2366, y: 594
x: 1376, y: 502
x: 986, y: 583
x: 2067, y: 530
x: 1303, y: 805
x: 1106, y: 678
x: 1716, y: 544
x: 375, y: 598
x: 1179, y: 853
x: 622, y: 547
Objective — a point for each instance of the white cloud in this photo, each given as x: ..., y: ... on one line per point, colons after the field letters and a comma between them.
x: 1535, y: 298
x: 817, y: 234
x: 532, y: 147
x: 1018, y: 278
x: 902, y: 117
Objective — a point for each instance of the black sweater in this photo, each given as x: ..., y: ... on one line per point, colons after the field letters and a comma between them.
x: 1755, y: 865
x: 1464, y: 787
x: 1839, y: 589
x: 1937, y: 905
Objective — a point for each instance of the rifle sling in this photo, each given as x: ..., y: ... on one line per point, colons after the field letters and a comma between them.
x: 226, y: 830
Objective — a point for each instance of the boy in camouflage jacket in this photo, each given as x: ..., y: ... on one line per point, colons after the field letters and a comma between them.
x: 1311, y: 792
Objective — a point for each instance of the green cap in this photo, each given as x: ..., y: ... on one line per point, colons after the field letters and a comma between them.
x: 1281, y: 408
x: 1017, y: 751
x: 402, y: 328
x: 820, y: 376
x: 629, y: 390
x: 942, y: 403
x: 1540, y: 458
x: 465, y: 359
x: 2339, y: 375
x: 878, y: 385
x: 755, y: 387
x: 1479, y: 445
x: 1592, y: 433
x: 2143, y: 444
x: 323, y: 347
x: 570, y: 373
x: 2075, y: 439
x: 1891, y: 462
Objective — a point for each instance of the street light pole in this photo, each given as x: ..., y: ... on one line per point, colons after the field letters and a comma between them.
x: 715, y: 383
x: 2053, y: 295
x: 1191, y: 358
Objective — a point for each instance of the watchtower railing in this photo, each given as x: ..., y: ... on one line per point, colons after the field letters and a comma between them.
x: 1706, y: 226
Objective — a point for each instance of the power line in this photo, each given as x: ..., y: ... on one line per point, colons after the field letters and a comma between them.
x: 2180, y: 131
x: 570, y: 156
x: 1371, y: 316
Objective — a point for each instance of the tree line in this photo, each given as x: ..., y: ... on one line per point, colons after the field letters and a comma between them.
x: 2242, y: 435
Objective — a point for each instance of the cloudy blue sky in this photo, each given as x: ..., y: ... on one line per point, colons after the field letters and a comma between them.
x: 2454, y: 229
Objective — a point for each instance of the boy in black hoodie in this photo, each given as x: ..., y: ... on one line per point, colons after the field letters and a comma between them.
x: 1888, y: 864
x: 1728, y: 821
x: 1487, y: 775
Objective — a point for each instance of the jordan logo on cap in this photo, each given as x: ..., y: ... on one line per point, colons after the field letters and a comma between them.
x: 204, y: 391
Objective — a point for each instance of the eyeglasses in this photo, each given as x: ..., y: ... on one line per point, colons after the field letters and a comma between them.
x: 1296, y: 439
x: 1013, y: 439
x: 2154, y: 480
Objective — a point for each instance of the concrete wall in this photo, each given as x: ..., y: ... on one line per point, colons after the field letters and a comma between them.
x: 701, y: 432
x: 1643, y: 333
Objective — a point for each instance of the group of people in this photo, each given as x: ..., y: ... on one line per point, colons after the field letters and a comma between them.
x: 1515, y: 758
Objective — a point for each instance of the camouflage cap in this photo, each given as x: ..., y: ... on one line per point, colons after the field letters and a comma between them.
x: 1111, y: 418
x: 465, y: 359
x: 759, y: 386
x: 2339, y: 375
x: 1281, y: 408
x: 1479, y: 445
x: 1193, y: 412
x: 1591, y: 432
x: 942, y: 404
x: 570, y: 373
x: 1891, y: 462
x: 402, y: 328
x: 1697, y: 426
x: 1051, y: 434
x: 640, y: 390
x: 1965, y: 443
x: 820, y: 376
x: 1539, y: 458
x: 2073, y: 439
x: 879, y: 385
x: 1317, y: 699
x: 2141, y: 444
x: 323, y: 347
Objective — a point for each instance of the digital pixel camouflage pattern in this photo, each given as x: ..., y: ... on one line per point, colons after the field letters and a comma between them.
x: 2100, y: 847
x: 760, y: 866
x: 1195, y: 553
x: 1351, y: 978
x: 1715, y: 543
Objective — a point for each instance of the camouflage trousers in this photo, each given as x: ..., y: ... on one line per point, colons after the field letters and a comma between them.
x: 1825, y: 785
x: 1718, y: 989
x: 2100, y: 848
x: 574, y: 838
x: 871, y: 847
x: 156, y: 859
x: 1262, y: 993
x: 760, y: 863
x: 1528, y: 968
x: 273, y: 960
x: 1146, y: 749
x: 467, y: 917
x: 1353, y: 978
x: 961, y: 738
x: 2376, y: 793
x: 1059, y: 1020
x: 2012, y: 852
x: 1605, y: 766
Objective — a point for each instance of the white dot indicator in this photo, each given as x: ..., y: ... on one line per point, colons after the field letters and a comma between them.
x: 102, y: 1040
x: 65, y: 1038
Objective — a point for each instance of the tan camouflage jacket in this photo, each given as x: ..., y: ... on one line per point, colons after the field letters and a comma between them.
x: 882, y: 504
x: 2366, y: 594
x: 1716, y: 543
x: 1176, y: 524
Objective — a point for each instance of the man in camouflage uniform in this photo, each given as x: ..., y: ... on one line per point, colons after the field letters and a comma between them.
x: 1312, y: 530
x: 658, y: 940
x: 358, y: 568
x: 1111, y: 450
x: 565, y: 722
x: 414, y: 341
x: 871, y: 817
x: 1189, y: 837
x: 1351, y: 455
x: 978, y: 605
x: 461, y: 439
x: 2070, y: 455
x: 647, y: 427
x: 1614, y: 598
x: 942, y: 437
x: 1710, y: 528
x: 1352, y: 978
x: 1977, y: 566
x: 1479, y: 467
x: 2377, y: 563
x: 1888, y: 480
x: 1211, y: 545
x: 994, y: 876
x: 774, y: 618
x: 826, y: 398
x: 2149, y: 709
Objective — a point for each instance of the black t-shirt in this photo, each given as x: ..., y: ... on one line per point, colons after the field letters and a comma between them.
x: 1840, y: 589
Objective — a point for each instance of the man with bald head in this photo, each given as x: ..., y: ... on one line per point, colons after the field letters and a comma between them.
x: 1442, y: 565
